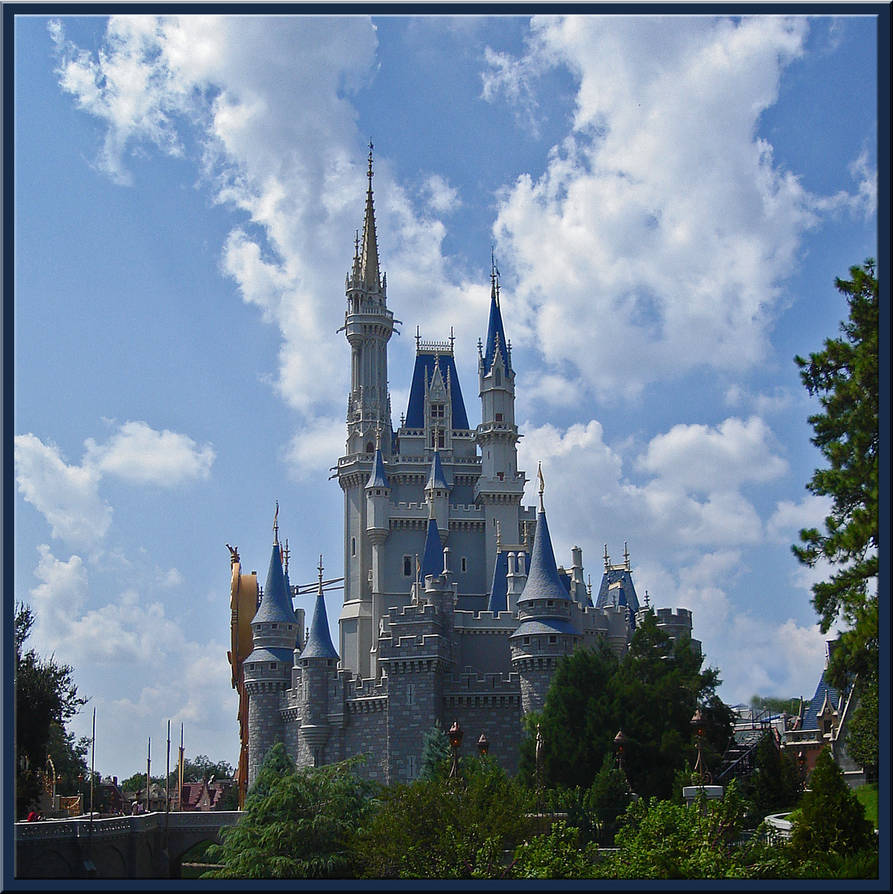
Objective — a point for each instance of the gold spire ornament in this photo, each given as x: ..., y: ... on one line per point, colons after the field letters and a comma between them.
x: 539, y: 475
x: 276, y: 525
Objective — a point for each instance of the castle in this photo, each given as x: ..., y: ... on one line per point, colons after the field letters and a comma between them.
x: 454, y: 606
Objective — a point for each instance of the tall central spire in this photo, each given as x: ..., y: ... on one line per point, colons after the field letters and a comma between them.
x: 369, y: 271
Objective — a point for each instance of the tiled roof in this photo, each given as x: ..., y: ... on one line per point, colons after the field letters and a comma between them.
x: 276, y: 602
x: 432, y: 559
x: 543, y: 581
x: 499, y: 590
x: 424, y: 371
x: 377, y: 478
x: 319, y: 640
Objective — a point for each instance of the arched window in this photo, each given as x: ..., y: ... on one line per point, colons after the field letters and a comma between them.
x: 370, y: 447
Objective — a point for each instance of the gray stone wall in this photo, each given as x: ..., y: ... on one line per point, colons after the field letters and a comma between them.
x: 265, y: 727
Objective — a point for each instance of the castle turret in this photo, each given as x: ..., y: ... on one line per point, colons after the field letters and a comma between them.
x: 437, y: 493
x: 501, y: 486
x: 268, y: 668
x: 368, y: 326
x: 546, y: 631
x: 318, y: 664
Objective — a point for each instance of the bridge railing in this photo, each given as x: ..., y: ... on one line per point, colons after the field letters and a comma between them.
x: 80, y: 827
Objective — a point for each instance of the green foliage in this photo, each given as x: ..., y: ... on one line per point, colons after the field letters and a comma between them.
x: 296, y: 824
x: 651, y: 695
x: 862, y: 733
x: 435, y: 753
x: 775, y: 782
x: 774, y: 705
x: 45, y: 697
x: 556, y: 854
x: 667, y: 840
x: 830, y: 818
x: 845, y: 378
x: 867, y: 795
x: 607, y: 799
x: 446, y: 828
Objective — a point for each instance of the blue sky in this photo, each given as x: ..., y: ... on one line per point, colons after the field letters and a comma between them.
x: 669, y: 201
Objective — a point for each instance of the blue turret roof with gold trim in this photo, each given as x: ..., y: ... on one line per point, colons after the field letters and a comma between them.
x: 432, y: 560
x: 319, y: 640
x: 436, y: 478
x: 275, y: 605
x: 495, y: 331
x: 377, y: 478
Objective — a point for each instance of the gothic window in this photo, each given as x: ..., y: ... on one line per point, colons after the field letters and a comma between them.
x: 353, y: 546
x: 553, y: 639
x: 407, y: 566
x: 500, y: 475
x: 437, y: 411
x: 499, y: 417
x: 464, y: 564
x: 410, y: 765
x: 273, y: 626
x: 410, y: 694
x: 272, y: 665
x: 440, y: 437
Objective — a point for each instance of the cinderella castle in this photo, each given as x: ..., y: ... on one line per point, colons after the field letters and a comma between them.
x: 454, y: 605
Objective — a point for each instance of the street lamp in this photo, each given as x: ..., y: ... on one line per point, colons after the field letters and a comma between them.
x: 697, y: 722
x: 619, y: 741
x: 483, y: 745
x: 455, y: 735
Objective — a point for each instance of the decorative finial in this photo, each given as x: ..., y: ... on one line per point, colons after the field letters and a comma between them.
x: 607, y: 559
x: 539, y: 474
x: 285, y: 556
x: 498, y: 536
x: 625, y: 555
x: 369, y: 172
x: 589, y: 586
x: 647, y: 600
x: 378, y: 435
x: 452, y: 339
x: 319, y: 568
x: 276, y: 525
x: 356, y: 244
x: 417, y: 568
x: 418, y: 339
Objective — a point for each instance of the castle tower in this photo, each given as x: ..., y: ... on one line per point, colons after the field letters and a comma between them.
x: 268, y: 668
x: 437, y: 493
x: 368, y: 326
x: 378, y: 503
x: 318, y: 666
x: 546, y: 630
x: 501, y: 486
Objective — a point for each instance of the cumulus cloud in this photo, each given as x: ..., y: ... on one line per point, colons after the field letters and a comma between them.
x: 658, y: 238
x: 66, y: 495
x: 706, y: 459
x: 312, y: 448
x: 138, y: 453
x: 442, y: 197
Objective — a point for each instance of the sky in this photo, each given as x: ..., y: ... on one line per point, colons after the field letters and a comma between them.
x: 668, y: 199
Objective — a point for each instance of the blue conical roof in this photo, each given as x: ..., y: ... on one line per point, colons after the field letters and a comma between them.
x: 432, y: 560
x: 499, y: 589
x: 543, y: 581
x: 276, y: 602
x: 378, y: 478
x: 495, y: 335
x: 436, y: 479
x: 319, y: 640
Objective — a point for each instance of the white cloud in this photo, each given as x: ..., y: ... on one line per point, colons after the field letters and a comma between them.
x: 58, y: 597
x: 66, y: 495
x: 658, y: 237
x: 312, y: 448
x: 706, y: 459
x: 139, y: 454
x: 789, y: 518
x: 442, y: 198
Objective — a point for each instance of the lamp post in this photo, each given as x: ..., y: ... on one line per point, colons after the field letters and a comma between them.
x: 455, y: 735
x: 483, y: 745
x: 619, y: 741
x: 697, y: 722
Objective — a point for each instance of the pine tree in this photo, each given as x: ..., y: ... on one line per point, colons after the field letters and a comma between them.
x: 845, y: 378
x: 435, y: 753
x: 831, y: 819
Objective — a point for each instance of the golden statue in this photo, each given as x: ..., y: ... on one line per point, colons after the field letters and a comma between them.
x: 243, y: 604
